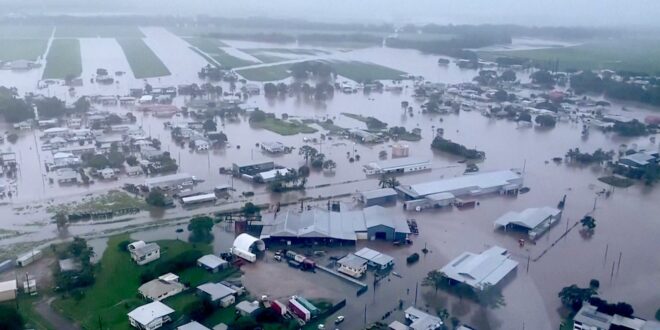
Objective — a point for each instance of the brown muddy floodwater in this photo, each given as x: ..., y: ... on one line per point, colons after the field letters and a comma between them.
x: 628, y: 224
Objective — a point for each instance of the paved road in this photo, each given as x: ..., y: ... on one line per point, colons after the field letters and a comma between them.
x: 56, y: 320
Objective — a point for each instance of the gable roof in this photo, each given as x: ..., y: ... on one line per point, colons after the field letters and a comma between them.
x: 146, y: 314
x: 477, y: 270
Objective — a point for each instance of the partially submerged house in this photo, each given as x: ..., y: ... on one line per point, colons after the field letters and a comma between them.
x: 143, y: 253
x: 352, y: 265
x: 212, y: 263
x: 535, y: 221
x: 375, y: 259
x: 489, y: 267
x: 420, y: 320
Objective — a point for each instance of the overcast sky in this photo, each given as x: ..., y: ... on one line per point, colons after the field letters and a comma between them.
x: 526, y: 12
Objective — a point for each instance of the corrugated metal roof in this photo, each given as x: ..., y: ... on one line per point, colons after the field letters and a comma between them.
x: 477, y: 270
x: 474, y: 182
x: 529, y: 218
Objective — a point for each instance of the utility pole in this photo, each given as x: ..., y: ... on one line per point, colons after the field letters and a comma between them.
x: 605, y: 258
x: 416, y: 287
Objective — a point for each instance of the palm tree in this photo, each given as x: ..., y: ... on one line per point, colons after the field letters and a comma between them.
x: 307, y: 152
x: 588, y: 222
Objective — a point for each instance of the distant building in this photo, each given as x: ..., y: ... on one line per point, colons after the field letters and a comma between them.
x: 374, y: 222
x: 378, y: 196
x: 363, y: 136
x: 247, y: 308
x: 478, y: 270
x: 466, y: 185
x: 589, y: 318
x: 273, y: 147
x: 420, y: 320
x: 639, y: 160
x: 150, y: 316
x: 272, y: 175
x: 397, y: 166
x: 169, y: 181
x: 143, y: 253
x: 252, y: 168
x: 108, y: 174
x: 536, y: 221
x: 246, y: 247
x: 162, y: 287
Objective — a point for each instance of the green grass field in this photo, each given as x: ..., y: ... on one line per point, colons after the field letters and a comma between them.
x: 28, y: 312
x: 143, y: 61
x: 363, y: 71
x: 25, y: 31
x: 98, y: 31
x: 638, y: 55
x: 115, y: 291
x: 63, y: 59
x: 212, y: 46
x: 266, y: 73
x: 282, y: 127
x: 22, y: 49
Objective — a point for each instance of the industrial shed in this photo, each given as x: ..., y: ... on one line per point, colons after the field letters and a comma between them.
x: 378, y: 196
x: 536, y: 221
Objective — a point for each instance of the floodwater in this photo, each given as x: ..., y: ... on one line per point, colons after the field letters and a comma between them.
x: 626, y: 221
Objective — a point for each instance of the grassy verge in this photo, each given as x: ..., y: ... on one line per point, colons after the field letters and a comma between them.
x: 212, y: 46
x: 112, y: 201
x: 63, y: 59
x: 330, y: 126
x: 617, y: 181
x: 98, y: 31
x: 30, y: 316
x: 271, y: 55
x: 22, y: 49
x: 266, y: 73
x: 208, y: 59
x: 282, y: 127
x: 143, y: 61
x: 628, y: 54
x: 363, y: 71
x: 115, y: 291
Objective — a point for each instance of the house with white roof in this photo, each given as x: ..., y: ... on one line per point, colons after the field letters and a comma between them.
x: 192, y: 326
x: 150, y: 316
x: 143, y: 253
x: 8, y: 290
x: 421, y: 320
x: 479, y: 270
x: 375, y: 259
x: 217, y: 293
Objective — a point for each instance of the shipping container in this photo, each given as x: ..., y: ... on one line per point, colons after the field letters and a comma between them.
x: 298, y: 310
x: 278, y: 307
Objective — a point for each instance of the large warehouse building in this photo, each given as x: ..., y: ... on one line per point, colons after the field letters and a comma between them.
x: 466, y: 185
x: 371, y: 223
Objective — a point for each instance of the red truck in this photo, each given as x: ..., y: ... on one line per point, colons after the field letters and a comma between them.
x: 278, y: 307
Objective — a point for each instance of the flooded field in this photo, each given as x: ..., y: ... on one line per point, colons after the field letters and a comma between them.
x: 627, y: 221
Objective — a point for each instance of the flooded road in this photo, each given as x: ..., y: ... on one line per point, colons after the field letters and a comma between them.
x: 626, y: 221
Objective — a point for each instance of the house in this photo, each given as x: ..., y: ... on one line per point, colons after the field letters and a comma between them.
x: 69, y: 265
x: 589, y: 318
x: 134, y: 170
x: 489, y: 267
x: 397, y: 166
x: 272, y: 175
x: 363, y: 136
x: 247, y: 308
x: 201, y: 145
x: 396, y: 325
x: 536, y: 221
x: 169, y: 181
x: 253, y: 167
x: 218, y: 294
x: 143, y: 253
x: 212, y: 263
x: 150, y: 316
x: 7, y: 290
x: 375, y: 259
x: 421, y: 320
x: 378, y: 196
x: 108, y: 174
x: 192, y: 326
x: 162, y: 287
x: 442, y: 199
x: 146, y: 99
x: 273, y: 147
x: 639, y: 160
x: 352, y: 265
x: 67, y: 175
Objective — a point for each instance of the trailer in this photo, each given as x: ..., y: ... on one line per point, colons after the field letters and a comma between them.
x: 278, y: 307
x: 28, y: 258
x: 308, y: 305
x: 251, y: 257
x: 190, y: 200
x: 299, y: 310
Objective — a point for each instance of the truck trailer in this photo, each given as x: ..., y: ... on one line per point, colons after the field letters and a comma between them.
x: 299, y: 310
